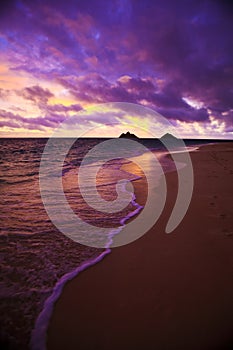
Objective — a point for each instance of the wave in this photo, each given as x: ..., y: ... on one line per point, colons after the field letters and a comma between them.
x: 38, y: 335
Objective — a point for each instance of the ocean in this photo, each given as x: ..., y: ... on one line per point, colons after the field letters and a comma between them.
x: 36, y: 258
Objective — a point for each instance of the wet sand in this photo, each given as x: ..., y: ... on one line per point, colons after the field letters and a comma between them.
x: 163, y: 291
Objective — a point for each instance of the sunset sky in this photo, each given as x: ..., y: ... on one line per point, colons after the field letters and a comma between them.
x: 60, y: 57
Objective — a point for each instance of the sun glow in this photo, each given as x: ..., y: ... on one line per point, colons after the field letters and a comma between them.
x: 193, y: 102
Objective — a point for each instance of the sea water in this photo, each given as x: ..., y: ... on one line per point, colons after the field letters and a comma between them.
x: 37, y: 259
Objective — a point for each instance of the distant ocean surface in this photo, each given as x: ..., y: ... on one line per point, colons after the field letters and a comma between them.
x: 36, y: 259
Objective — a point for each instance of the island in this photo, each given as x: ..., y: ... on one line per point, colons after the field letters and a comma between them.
x: 128, y: 135
x: 168, y: 136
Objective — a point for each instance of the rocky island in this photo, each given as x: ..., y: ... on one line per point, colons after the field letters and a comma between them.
x: 128, y: 135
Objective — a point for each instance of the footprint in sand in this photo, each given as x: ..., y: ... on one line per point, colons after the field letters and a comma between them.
x: 227, y: 232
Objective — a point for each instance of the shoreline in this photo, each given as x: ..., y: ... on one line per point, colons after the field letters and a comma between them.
x: 39, y: 331
x: 38, y: 334
x: 97, y: 275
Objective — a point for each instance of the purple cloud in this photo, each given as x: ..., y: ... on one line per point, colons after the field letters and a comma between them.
x: 10, y: 119
x: 59, y: 108
x: 36, y: 94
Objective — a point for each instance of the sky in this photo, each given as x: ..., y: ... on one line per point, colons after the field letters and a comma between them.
x: 59, y: 58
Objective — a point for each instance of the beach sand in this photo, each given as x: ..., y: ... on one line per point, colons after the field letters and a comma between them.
x: 163, y: 291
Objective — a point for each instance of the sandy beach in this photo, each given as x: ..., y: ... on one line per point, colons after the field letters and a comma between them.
x: 163, y: 291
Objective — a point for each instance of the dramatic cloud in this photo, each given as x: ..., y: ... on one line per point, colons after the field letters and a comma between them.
x: 17, y: 121
x: 61, y: 109
x: 172, y: 56
x: 37, y: 94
